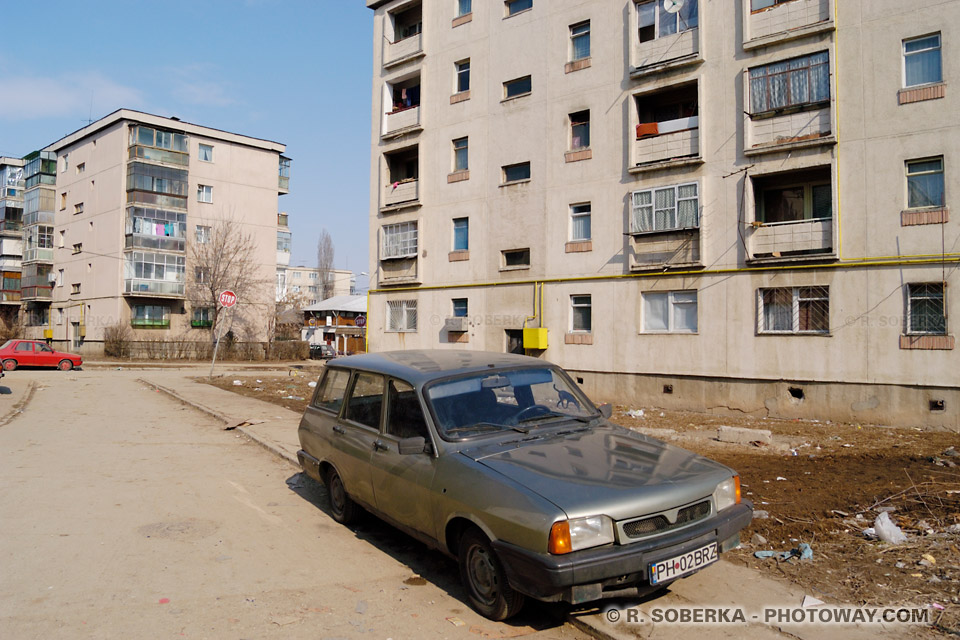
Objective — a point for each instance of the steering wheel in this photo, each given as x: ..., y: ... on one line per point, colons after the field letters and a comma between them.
x: 533, y: 410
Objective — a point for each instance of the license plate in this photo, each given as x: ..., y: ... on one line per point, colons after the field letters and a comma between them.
x: 683, y: 564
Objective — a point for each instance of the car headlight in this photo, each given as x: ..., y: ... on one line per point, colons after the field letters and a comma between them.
x: 727, y: 493
x: 580, y: 533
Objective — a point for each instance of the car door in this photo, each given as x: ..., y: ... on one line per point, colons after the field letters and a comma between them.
x: 356, y: 432
x: 402, y: 483
x: 44, y: 356
x: 23, y: 353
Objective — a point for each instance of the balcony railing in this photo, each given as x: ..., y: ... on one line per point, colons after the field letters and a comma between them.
x: 159, y: 155
x: 36, y: 293
x: 38, y: 255
x: 283, y: 184
x: 10, y: 296
x: 201, y: 324
x: 794, y: 237
x: 788, y: 16
x: 11, y: 225
x: 399, y: 192
x: 401, y: 49
x: 662, y: 51
x: 140, y: 287
x: 144, y: 323
x: 163, y: 243
x: 38, y: 217
x: 675, y: 139
x: 403, y: 119
x: 792, y: 127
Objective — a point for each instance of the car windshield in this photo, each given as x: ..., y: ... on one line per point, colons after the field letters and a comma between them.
x: 518, y: 400
x: 6, y: 344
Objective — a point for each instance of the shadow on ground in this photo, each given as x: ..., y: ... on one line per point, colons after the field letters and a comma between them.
x: 430, y: 564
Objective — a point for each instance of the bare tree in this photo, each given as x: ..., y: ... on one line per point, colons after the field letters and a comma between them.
x: 288, y: 316
x: 227, y: 260
x: 325, y: 253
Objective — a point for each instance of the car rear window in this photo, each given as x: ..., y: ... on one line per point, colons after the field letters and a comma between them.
x: 332, y: 389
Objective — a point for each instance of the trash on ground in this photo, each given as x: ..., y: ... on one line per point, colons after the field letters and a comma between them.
x: 312, y: 383
x: 758, y: 540
x: 760, y: 515
x: 803, y: 551
x: 457, y: 622
x: 929, y: 558
x: 887, y: 531
x: 810, y: 601
x: 635, y: 413
x: 237, y: 383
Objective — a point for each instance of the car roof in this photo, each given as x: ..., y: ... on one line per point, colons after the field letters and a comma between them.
x: 419, y: 366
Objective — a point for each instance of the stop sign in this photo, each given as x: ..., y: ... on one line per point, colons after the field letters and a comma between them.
x: 228, y: 298
x: 361, y: 321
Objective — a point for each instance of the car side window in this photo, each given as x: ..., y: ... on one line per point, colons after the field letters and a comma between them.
x: 366, y: 400
x: 24, y: 346
x: 332, y: 390
x: 45, y: 348
x: 404, y: 414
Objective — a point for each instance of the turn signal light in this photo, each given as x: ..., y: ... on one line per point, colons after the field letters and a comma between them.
x: 736, y: 481
x: 560, y: 538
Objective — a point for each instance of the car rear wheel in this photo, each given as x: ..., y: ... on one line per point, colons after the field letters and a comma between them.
x: 485, y: 580
x: 343, y: 509
x: 65, y: 365
x: 9, y: 365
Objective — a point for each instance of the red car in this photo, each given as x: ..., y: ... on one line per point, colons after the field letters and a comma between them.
x: 33, y: 353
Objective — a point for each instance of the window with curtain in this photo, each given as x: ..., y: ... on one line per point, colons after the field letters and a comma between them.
x: 580, y: 41
x: 582, y: 313
x: 790, y: 83
x: 460, y: 155
x: 464, y: 7
x: 925, y: 183
x: 794, y: 310
x: 463, y: 76
x: 579, y: 222
x: 666, y: 208
x: 402, y: 315
x: 921, y: 61
x: 399, y: 240
x: 461, y: 234
x: 580, y: 130
x: 670, y: 312
x: 459, y: 307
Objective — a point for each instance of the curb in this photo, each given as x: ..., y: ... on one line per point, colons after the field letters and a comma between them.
x: 280, y: 453
x: 20, y: 406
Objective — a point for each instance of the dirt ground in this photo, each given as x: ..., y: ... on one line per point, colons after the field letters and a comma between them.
x: 821, y: 483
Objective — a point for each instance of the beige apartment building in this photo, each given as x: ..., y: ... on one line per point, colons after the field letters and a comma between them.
x: 307, y: 284
x: 111, y: 212
x: 740, y: 206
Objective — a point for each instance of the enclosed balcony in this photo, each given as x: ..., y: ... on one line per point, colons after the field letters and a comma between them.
x: 156, y: 145
x: 40, y: 167
x: 665, y: 39
x: 38, y: 243
x: 667, y: 129
x: 283, y: 182
x: 153, y: 274
x: 150, y: 184
x: 402, y: 178
x: 10, y: 287
x: 775, y: 20
x: 148, y: 228
x: 793, y: 216
x: 35, y: 282
x: 404, y: 36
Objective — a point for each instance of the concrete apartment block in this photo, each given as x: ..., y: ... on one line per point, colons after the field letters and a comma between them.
x: 743, y: 203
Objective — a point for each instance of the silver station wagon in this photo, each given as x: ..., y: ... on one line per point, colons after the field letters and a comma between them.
x: 503, y: 463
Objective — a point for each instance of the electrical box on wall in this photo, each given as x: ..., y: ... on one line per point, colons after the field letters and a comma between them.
x: 535, y: 338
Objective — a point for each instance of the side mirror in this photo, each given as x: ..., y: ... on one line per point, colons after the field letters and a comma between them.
x: 606, y: 410
x: 409, y: 446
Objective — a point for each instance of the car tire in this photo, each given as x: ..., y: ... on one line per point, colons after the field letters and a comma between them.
x: 65, y: 365
x: 484, y: 578
x: 343, y: 509
x: 9, y: 365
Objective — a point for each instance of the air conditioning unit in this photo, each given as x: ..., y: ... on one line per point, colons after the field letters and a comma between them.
x: 456, y: 324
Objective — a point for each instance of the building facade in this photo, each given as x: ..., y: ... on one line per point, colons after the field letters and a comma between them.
x: 740, y: 206
x: 111, y: 213
x: 11, y: 237
x: 306, y: 283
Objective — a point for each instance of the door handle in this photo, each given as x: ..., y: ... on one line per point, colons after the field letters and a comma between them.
x: 380, y: 446
x: 338, y: 429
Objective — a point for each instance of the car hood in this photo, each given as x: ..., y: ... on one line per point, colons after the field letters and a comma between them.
x: 605, y: 470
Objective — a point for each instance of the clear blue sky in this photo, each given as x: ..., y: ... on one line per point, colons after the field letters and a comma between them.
x: 293, y: 71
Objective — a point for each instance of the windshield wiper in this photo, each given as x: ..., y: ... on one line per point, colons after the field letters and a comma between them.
x: 485, y: 426
x: 549, y: 414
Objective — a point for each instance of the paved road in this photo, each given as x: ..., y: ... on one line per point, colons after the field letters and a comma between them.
x: 125, y: 514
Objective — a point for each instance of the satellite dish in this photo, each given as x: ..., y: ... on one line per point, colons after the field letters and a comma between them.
x: 672, y: 6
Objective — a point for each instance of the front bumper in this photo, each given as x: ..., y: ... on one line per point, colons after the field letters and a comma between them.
x: 591, y: 574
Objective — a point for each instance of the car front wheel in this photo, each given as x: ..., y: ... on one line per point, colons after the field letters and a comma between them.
x: 9, y: 365
x: 65, y: 365
x: 485, y: 580
x: 342, y: 508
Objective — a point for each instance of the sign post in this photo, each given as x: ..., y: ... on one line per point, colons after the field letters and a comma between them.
x: 226, y: 299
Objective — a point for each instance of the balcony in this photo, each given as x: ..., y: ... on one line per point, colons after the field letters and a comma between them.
x: 153, y: 288
x: 11, y: 226
x: 661, y: 53
x: 403, y: 119
x: 668, y: 128
x: 36, y: 293
x: 283, y: 179
x: 401, y: 192
x: 402, y: 271
x: 38, y: 255
x: 787, y: 20
x: 402, y: 50
x: 38, y: 217
x: 146, y: 323
x: 793, y: 130
x: 674, y: 140
x: 165, y: 156
x: 795, y: 238
x: 10, y: 296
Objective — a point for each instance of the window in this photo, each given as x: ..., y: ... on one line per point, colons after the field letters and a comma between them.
x: 314, y: 275
x: 404, y: 413
x: 516, y: 258
x: 60, y: 278
x: 400, y: 240
x: 463, y: 75
x: 794, y: 310
x: 313, y: 289
x: 77, y: 248
x: 402, y: 315
x: 518, y: 87
x: 756, y: 5
x: 201, y: 275
x: 63, y: 201
x: 580, y: 41
x: 579, y: 222
x: 670, y: 312
x: 581, y: 318
x: 654, y: 21
x: 516, y: 6
x: 794, y: 197
x: 516, y: 172
x: 407, y: 23
x: 81, y: 167
x: 461, y: 234
x: 284, y: 241
x: 366, y: 400
x: 669, y: 111
x: 206, y: 153
x: 202, y: 317
x: 332, y: 389
x: 464, y: 7
x: 204, y: 193
x: 925, y: 183
x: 790, y: 83
x: 925, y: 309
x: 666, y: 209
x: 459, y: 307
x: 60, y: 240
x: 75, y: 288
x: 460, y: 155
x: 921, y: 61
x: 65, y: 162
x: 203, y: 234
x: 150, y: 316
x: 580, y: 130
